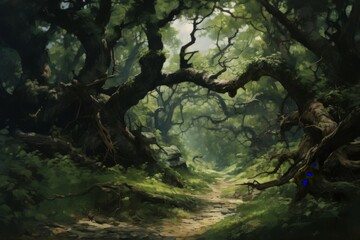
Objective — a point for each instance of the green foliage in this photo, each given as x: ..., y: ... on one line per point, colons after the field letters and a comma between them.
x: 10, y: 69
x: 246, y: 131
x: 272, y: 214
x: 27, y: 181
x: 66, y: 55
x: 264, y: 211
x: 237, y: 139
x: 197, y: 178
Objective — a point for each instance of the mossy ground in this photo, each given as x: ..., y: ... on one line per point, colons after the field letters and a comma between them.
x: 28, y: 180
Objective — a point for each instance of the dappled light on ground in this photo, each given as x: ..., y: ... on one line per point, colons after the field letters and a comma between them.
x: 217, y: 208
x: 189, y: 119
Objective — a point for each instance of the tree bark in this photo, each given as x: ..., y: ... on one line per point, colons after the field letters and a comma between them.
x: 97, y: 62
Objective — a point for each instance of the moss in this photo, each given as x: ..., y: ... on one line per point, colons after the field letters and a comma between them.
x: 26, y: 180
x: 273, y: 215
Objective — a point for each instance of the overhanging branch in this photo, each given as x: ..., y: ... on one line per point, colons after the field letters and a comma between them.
x: 271, y: 66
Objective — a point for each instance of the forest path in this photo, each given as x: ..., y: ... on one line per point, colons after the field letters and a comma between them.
x: 218, y: 208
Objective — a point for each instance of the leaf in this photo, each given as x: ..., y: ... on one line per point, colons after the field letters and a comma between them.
x: 307, y: 213
x: 21, y: 194
x: 4, y: 209
x: 21, y: 171
x: 10, y: 186
x: 322, y: 205
x: 40, y: 217
x: 4, y: 183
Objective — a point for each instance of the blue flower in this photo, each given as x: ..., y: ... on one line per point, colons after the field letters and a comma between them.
x: 305, y: 182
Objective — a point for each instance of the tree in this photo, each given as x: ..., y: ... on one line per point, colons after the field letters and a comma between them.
x: 27, y: 38
x: 94, y: 118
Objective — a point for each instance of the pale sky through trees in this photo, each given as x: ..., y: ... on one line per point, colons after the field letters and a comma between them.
x: 184, y: 28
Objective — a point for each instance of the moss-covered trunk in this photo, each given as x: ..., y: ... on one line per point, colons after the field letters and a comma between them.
x: 97, y: 62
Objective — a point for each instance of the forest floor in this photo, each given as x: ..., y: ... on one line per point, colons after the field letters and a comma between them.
x: 217, y: 208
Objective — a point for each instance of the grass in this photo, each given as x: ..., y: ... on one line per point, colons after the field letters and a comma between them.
x: 151, y: 201
x: 261, y: 212
x: 273, y: 215
x: 27, y: 179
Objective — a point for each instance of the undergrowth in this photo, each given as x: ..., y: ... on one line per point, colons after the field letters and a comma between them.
x: 272, y: 214
x: 28, y: 181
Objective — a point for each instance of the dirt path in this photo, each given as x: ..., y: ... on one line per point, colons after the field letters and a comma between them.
x: 217, y: 210
x: 186, y: 228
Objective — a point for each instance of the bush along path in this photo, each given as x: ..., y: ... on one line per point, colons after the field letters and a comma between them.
x: 216, y: 209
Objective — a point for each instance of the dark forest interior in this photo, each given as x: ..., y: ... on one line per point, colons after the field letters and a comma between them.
x: 159, y: 119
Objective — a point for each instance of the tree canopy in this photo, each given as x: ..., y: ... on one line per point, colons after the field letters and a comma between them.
x: 75, y: 69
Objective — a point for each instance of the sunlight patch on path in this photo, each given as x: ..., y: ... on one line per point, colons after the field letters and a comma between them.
x: 186, y: 228
x: 218, y: 209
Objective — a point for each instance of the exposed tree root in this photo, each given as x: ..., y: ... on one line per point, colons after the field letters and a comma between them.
x: 282, y: 158
x: 49, y: 146
x: 106, y: 138
x: 308, y: 154
x: 124, y: 189
x: 344, y: 153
